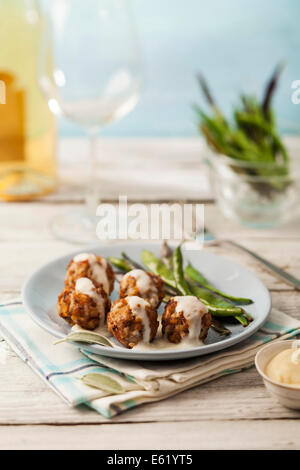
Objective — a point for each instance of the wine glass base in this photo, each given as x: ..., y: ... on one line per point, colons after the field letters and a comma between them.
x: 75, y: 227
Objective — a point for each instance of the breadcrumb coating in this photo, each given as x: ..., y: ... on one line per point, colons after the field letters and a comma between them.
x: 82, y: 310
x: 175, y: 326
x: 126, y: 326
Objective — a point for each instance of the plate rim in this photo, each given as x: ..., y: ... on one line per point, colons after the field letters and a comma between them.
x: 129, y: 354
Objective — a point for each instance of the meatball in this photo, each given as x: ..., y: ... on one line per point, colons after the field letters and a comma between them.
x: 132, y: 320
x: 142, y: 284
x: 86, y: 305
x: 185, y: 318
x: 93, y: 267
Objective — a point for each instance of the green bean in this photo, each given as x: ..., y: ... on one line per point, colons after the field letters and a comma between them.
x: 213, y: 308
x: 248, y: 316
x: 131, y: 262
x: 195, y: 275
x: 134, y: 265
x: 216, y: 306
x: 206, y: 298
x: 166, y: 298
x: 156, y: 266
x: 120, y: 264
x: 210, y: 297
x: 219, y: 327
x: 223, y: 308
x: 123, y: 266
x: 242, y: 319
x: 181, y: 283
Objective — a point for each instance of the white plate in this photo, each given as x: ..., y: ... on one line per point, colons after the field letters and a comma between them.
x: 41, y: 290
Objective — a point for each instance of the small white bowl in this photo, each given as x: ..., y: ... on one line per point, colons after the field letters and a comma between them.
x: 287, y: 395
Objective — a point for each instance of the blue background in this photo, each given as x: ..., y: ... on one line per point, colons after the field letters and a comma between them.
x: 235, y: 43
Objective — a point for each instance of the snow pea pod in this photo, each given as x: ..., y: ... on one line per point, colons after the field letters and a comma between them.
x: 216, y: 305
x: 212, y: 299
x: 120, y: 264
x: 196, y: 276
x: 131, y: 262
x: 219, y: 307
x: 213, y: 304
x: 156, y: 266
x: 181, y: 286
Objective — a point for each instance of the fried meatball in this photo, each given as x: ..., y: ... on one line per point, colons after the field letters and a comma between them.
x: 185, y: 318
x: 142, y: 284
x: 86, y: 305
x: 94, y: 267
x: 132, y: 320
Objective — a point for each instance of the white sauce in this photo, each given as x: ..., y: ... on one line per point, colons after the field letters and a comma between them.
x: 98, y: 268
x: 138, y: 307
x: 295, y: 357
x: 193, y: 311
x: 145, y: 285
x: 85, y: 286
x: 160, y: 342
x: 191, y: 307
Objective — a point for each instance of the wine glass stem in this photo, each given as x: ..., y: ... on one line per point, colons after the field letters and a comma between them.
x: 92, y: 194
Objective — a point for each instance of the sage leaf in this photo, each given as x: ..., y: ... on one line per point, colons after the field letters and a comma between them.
x: 86, y: 337
x: 103, y: 382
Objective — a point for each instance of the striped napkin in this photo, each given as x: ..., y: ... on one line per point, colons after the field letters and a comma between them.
x: 63, y: 366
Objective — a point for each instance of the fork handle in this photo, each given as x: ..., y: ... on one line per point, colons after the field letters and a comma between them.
x: 293, y: 281
x: 6, y: 303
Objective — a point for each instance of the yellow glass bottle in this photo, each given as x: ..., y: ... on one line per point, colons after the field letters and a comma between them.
x: 27, y: 127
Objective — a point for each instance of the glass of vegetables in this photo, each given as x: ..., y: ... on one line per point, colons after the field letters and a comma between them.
x: 255, y: 178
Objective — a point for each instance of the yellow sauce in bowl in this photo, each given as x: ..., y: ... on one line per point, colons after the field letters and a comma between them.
x: 285, y: 367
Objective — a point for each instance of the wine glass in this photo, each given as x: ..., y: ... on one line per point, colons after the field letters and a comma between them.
x: 89, y: 71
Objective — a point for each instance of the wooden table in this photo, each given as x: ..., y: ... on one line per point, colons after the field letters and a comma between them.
x: 234, y: 412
